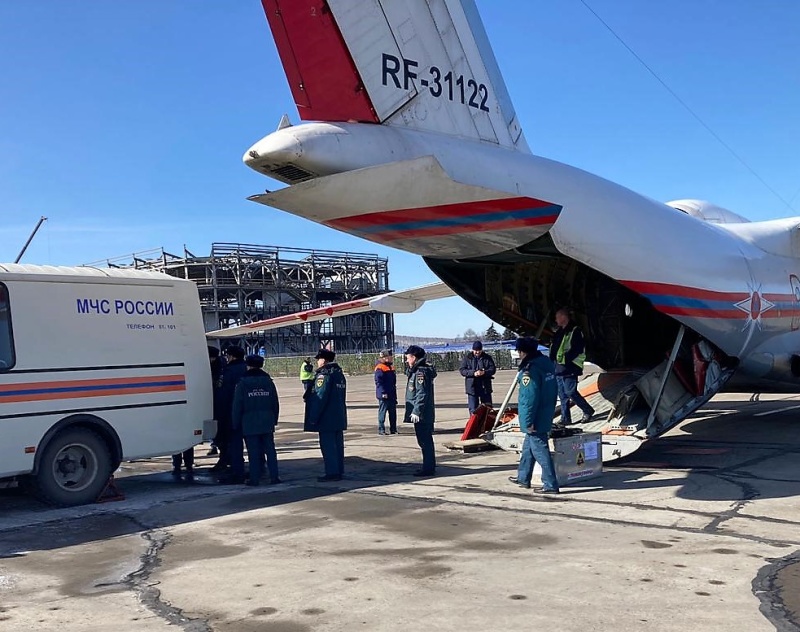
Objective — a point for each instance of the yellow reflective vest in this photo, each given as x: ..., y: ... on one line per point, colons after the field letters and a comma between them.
x: 566, y: 343
x: 306, y: 372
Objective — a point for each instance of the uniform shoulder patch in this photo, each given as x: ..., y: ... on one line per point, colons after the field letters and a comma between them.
x: 526, y: 379
x: 421, y: 379
x: 320, y: 381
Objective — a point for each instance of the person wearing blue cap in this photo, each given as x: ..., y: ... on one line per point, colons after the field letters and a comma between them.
x: 538, y: 392
x: 255, y: 415
x: 326, y: 413
x: 420, y: 406
x: 230, y: 441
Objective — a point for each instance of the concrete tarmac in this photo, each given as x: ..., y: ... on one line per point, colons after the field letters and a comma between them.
x: 698, y: 530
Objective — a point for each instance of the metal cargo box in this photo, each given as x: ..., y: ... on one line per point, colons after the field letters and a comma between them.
x: 576, y: 458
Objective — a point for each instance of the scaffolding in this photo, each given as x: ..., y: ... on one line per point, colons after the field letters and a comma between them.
x: 244, y: 283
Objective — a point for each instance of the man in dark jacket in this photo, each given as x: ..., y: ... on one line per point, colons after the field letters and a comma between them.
x: 568, y: 353
x: 420, y: 406
x: 231, y: 449
x: 386, y: 392
x: 536, y: 381
x: 255, y: 414
x: 478, y: 369
x: 326, y: 413
x: 217, y: 367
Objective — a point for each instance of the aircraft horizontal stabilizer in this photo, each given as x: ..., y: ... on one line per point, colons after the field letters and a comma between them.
x: 415, y: 205
x: 400, y: 302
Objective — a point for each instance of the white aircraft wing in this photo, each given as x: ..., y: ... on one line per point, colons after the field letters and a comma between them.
x: 400, y: 302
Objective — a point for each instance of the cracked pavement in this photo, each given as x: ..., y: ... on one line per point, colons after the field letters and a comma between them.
x: 697, y: 529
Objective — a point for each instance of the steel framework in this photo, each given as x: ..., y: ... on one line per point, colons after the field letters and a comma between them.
x: 243, y: 283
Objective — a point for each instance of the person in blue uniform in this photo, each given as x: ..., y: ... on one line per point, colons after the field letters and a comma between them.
x: 420, y: 406
x: 217, y: 362
x: 187, y: 456
x: 538, y: 392
x: 230, y: 441
x: 326, y: 413
x: 386, y: 392
x: 255, y: 415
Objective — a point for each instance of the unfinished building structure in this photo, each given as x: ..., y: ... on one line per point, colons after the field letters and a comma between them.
x: 243, y: 283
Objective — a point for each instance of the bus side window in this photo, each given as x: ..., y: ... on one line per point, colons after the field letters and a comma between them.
x: 6, y: 339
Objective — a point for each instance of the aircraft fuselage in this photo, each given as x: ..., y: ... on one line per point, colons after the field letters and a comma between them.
x: 492, y: 209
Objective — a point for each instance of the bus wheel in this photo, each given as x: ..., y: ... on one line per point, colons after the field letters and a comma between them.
x: 74, y: 468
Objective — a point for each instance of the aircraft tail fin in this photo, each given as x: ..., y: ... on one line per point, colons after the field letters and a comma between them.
x: 420, y: 64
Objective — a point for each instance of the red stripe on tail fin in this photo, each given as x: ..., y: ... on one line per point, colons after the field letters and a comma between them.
x: 322, y: 76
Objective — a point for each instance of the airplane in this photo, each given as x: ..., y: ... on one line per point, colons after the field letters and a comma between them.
x: 409, y: 139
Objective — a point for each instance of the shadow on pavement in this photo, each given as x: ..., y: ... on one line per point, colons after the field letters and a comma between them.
x: 203, y: 499
x: 728, y: 455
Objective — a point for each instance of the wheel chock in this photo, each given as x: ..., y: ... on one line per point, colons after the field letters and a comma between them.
x: 110, y: 492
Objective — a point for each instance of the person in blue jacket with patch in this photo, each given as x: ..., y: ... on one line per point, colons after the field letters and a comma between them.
x: 230, y: 441
x: 326, y: 413
x: 538, y: 392
x: 421, y: 407
x: 255, y: 415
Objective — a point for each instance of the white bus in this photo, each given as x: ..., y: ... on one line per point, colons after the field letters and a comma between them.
x: 97, y: 366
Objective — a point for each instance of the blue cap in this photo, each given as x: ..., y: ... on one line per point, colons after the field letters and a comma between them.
x: 528, y: 345
x: 234, y: 352
x: 254, y: 360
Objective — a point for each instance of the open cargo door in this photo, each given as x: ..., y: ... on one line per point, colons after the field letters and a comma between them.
x: 634, y: 405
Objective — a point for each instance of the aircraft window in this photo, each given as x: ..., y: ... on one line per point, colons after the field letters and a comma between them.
x: 6, y: 338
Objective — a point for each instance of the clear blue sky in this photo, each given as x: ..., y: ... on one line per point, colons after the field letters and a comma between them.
x: 125, y: 122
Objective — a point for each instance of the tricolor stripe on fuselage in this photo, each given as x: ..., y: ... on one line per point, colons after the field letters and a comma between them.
x: 450, y: 219
x: 678, y: 300
x: 70, y: 389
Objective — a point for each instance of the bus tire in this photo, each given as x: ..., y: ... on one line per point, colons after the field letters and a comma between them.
x: 74, y: 468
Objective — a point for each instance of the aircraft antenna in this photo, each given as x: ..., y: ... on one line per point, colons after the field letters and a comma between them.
x: 688, y: 109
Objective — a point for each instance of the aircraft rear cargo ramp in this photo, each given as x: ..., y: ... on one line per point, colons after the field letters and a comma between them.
x: 632, y: 406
